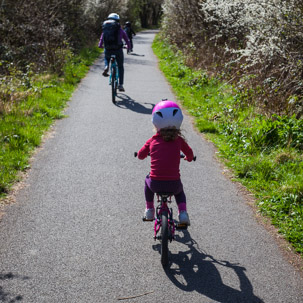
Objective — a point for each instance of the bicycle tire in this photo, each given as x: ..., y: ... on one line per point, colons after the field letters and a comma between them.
x: 164, y: 238
x: 114, y: 85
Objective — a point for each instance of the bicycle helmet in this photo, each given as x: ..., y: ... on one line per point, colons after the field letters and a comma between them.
x: 127, y: 23
x: 167, y: 114
x: 113, y: 16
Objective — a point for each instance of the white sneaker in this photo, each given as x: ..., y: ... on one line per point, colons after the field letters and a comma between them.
x: 183, y: 217
x: 149, y: 214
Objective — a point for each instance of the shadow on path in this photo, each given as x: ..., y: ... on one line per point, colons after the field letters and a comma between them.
x: 135, y: 54
x: 194, y: 270
x: 126, y: 102
x: 8, y: 297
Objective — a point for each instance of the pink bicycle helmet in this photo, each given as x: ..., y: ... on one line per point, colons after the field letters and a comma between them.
x: 167, y: 114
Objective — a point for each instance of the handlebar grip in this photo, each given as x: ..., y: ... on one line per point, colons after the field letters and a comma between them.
x: 135, y: 154
x: 183, y: 156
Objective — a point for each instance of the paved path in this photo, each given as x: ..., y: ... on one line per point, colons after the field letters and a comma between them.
x: 75, y: 233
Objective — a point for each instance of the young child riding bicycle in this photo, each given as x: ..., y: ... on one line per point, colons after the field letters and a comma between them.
x: 164, y: 149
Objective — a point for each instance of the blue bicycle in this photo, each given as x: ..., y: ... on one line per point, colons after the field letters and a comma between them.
x: 114, y: 77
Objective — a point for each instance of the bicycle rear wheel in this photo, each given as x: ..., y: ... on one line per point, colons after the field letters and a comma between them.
x: 164, y: 238
x: 114, y: 85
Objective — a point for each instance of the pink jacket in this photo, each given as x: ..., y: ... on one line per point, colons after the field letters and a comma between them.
x: 165, y: 157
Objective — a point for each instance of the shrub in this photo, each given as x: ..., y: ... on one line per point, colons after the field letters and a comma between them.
x: 259, y: 42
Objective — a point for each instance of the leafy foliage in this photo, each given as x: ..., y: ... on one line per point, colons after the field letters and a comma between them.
x: 39, y: 32
x: 258, y: 42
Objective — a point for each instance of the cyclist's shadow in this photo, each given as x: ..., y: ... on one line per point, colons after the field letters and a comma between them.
x: 194, y: 270
x: 6, y: 296
x: 135, y: 54
x: 126, y: 102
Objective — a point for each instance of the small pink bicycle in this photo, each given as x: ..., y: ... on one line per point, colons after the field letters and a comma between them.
x: 165, y: 225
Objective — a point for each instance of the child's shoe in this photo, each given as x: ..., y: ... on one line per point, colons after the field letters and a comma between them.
x: 183, y: 217
x: 149, y: 214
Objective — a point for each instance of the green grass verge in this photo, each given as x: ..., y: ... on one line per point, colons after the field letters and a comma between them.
x: 22, y: 127
x: 264, y: 153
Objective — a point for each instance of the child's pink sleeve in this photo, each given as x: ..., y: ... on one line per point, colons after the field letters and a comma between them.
x: 144, y: 151
x: 188, y: 152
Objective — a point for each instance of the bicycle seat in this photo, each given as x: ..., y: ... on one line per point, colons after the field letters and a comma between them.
x: 164, y: 197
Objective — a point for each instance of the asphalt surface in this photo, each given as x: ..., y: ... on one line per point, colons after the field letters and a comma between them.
x: 75, y: 233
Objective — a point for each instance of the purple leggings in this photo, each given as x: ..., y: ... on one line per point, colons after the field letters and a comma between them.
x: 156, y: 186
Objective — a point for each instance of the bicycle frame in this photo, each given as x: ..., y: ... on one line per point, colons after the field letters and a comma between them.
x: 164, y: 199
x: 114, y: 76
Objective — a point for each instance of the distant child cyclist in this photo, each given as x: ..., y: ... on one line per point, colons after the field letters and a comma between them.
x: 111, y: 37
x: 129, y: 32
x: 164, y: 149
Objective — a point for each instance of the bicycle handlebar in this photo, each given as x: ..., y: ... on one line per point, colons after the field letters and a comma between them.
x: 181, y: 156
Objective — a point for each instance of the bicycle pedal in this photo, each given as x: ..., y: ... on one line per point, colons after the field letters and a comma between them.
x: 147, y: 220
x: 180, y: 226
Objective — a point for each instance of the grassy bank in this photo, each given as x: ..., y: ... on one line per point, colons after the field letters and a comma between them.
x: 264, y: 153
x: 24, y: 120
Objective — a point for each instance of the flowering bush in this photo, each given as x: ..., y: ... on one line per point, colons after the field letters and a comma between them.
x: 259, y: 41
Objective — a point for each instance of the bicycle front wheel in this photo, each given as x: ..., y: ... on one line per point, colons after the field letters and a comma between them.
x: 164, y: 238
